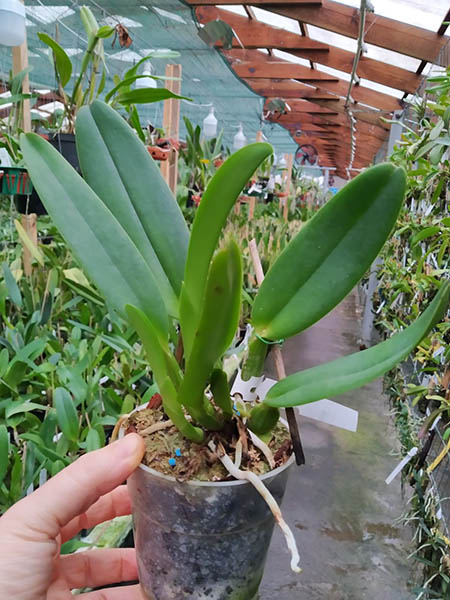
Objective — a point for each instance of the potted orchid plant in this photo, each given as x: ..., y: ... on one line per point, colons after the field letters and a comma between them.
x: 205, y: 498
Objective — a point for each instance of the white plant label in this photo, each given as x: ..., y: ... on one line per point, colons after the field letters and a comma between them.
x: 325, y: 411
x: 401, y: 464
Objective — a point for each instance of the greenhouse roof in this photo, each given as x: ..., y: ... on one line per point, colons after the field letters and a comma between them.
x: 152, y: 25
x: 302, y: 52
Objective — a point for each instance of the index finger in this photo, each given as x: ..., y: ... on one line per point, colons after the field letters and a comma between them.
x: 70, y: 493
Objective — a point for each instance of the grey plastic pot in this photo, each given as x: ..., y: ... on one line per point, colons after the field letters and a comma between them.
x: 201, y: 540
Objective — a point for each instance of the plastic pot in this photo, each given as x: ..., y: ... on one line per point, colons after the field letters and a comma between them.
x: 15, y: 180
x: 201, y: 540
x: 66, y: 145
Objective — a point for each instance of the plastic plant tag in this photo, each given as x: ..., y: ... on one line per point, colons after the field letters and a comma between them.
x: 325, y: 411
x: 401, y: 464
x: 247, y: 389
x: 331, y: 413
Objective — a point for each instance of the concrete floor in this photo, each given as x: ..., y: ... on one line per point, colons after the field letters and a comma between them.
x: 341, y: 511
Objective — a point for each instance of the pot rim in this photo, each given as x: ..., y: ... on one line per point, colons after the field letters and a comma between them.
x: 219, y: 484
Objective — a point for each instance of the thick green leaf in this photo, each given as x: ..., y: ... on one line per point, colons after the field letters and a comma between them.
x: 11, y: 284
x: 106, y: 251
x: 174, y: 411
x: 219, y: 198
x: 424, y: 234
x: 16, y: 408
x: 217, y: 327
x: 221, y: 392
x: 18, y: 79
x: 93, y: 441
x: 105, y: 32
x: 161, y: 360
x: 136, y: 193
x: 355, y: 370
x: 320, y: 266
x: 4, y: 359
x: 4, y: 446
x: 263, y: 418
x: 48, y: 452
x: 16, y: 98
x: 66, y: 414
x: 62, y: 61
x: 148, y: 95
x: 125, y: 85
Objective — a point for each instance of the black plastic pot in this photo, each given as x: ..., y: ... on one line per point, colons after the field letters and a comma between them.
x: 65, y: 144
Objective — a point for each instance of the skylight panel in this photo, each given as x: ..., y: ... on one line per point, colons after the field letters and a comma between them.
x: 113, y: 20
x: 276, y: 20
x: 237, y: 10
x: 169, y: 15
x: 335, y: 72
x: 291, y: 58
x: 421, y: 13
x: 381, y: 88
x: 48, y: 14
x: 392, y: 58
x: 334, y: 39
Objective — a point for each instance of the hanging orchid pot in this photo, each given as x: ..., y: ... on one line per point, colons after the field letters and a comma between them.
x: 14, y: 181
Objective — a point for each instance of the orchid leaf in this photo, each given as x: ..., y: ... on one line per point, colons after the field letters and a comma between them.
x: 96, y: 237
x: 161, y: 360
x: 217, y: 327
x: 136, y: 194
x: 66, y: 414
x: 63, y: 64
x: 148, y: 95
x: 355, y: 370
x: 329, y: 255
x: 218, y: 199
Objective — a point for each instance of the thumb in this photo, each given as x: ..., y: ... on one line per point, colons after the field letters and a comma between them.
x: 78, y: 486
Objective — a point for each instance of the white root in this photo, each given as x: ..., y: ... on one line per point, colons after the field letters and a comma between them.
x: 270, y: 500
x: 263, y: 447
x: 238, y: 454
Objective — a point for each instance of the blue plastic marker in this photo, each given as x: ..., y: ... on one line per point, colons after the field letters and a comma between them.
x: 172, y: 462
x: 178, y: 452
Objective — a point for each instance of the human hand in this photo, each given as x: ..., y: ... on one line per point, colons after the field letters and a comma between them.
x: 84, y: 494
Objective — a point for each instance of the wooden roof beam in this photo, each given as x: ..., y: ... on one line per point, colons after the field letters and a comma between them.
x: 287, y: 88
x: 254, y: 34
x: 380, y: 31
x: 338, y: 87
x: 280, y: 70
x: 369, y: 68
x: 257, y: 3
x: 333, y: 16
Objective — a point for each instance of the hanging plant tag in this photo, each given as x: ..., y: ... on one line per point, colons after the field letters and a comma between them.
x: 401, y: 464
